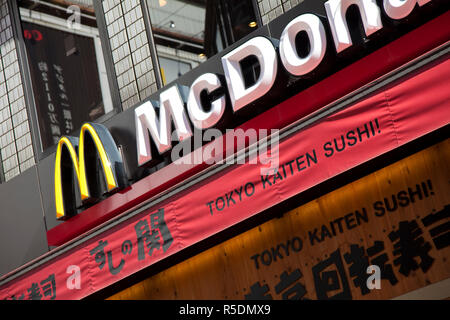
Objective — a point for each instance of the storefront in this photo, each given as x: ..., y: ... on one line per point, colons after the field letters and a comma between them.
x: 341, y: 194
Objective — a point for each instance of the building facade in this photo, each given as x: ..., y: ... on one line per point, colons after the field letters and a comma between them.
x: 177, y: 149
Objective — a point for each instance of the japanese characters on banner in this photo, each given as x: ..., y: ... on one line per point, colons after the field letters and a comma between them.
x: 350, y: 233
x: 396, y: 219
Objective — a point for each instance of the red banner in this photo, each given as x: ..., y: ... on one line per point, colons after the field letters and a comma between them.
x: 398, y: 114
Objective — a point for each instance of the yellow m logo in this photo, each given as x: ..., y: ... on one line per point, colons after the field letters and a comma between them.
x: 82, y: 156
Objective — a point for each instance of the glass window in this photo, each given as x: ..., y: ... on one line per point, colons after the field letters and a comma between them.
x: 188, y: 32
x: 171, y: 69
x: 66, y: 65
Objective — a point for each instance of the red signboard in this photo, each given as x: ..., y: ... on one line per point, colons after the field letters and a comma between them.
x: 369, y: 68
x: 382, y: 122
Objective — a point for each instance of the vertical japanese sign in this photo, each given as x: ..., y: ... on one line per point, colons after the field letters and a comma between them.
x: 147, y: 239
x: 397, y: 219
x: 65, y: 80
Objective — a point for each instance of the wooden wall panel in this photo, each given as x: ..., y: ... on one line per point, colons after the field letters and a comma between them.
x: 231, y: 269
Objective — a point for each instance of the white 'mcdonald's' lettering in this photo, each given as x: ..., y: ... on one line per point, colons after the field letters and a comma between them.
x: 201, y: 119
x: 172, y: 107
x: 399, y: 9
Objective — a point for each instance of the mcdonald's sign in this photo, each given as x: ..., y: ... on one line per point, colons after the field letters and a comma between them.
x: 93, y: 162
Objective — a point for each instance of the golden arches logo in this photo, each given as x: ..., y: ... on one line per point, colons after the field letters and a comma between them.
x: 71, y: 157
